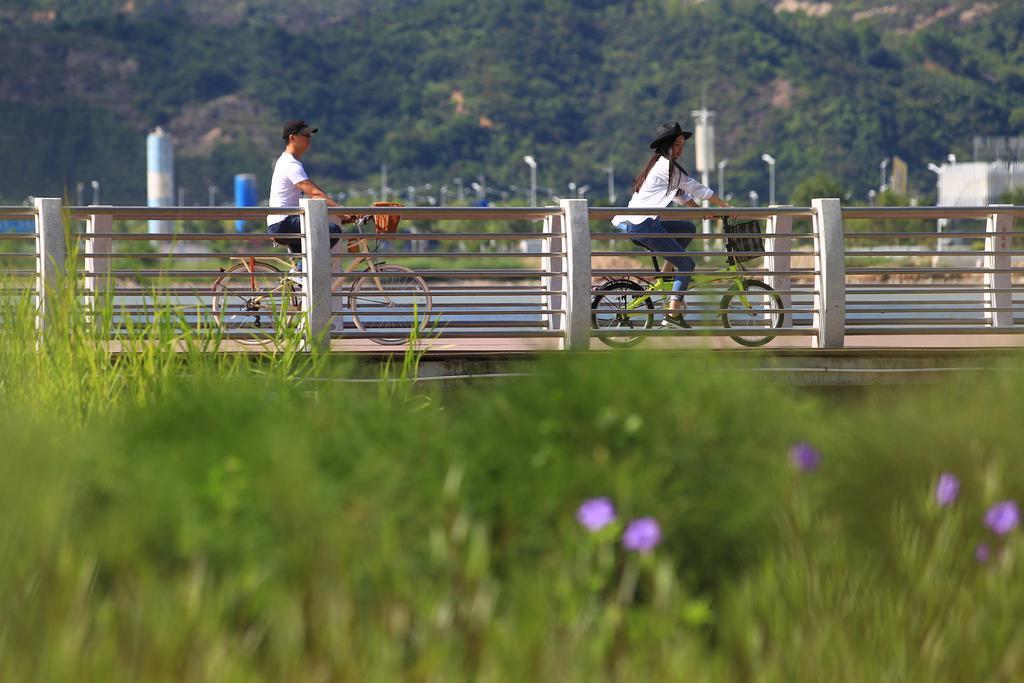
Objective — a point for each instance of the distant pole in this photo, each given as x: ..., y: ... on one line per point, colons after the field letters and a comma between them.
x: 532, y: 163
x: 721, y: 177
x: 611, y: 184
x: 704, y: 131
x: 211, y: 191
x: 384, y: 181
x: 95, y: 192
x: 461, y: 195
x: 770, y: 160
x: 444, y: 194
x: 753, y: 197
x: 79, y: 193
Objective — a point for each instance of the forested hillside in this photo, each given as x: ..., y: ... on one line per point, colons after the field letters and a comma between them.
x: 455, y: 88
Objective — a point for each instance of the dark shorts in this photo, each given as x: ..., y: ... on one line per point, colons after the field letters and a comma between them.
x: 292, y: 225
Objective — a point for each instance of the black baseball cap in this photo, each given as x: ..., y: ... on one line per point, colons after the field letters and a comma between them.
x: 297, y: 127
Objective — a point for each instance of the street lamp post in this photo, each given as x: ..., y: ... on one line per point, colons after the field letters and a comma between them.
x: 95, y: 192
x: 753, y: 197
x: 532, y: 163
x: 79, y: 189
x: 721, y: 177
x: 770, y: 160
x: 611, y: 184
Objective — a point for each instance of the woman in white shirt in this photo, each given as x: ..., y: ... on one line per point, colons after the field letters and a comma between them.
x: 662, y: 182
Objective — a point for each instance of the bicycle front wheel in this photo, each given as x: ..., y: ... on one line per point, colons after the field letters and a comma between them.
x: 390, y: 301
x: 619, y: 306
x: 251, y: 306
x: 755, y: 305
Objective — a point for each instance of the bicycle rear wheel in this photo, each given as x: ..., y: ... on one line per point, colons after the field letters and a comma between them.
x: 253, y: 306
x: 609, y: 311
x: 390, y: 299
x: 756, y: 305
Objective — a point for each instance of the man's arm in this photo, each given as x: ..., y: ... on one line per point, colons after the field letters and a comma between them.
x: 310, y: 189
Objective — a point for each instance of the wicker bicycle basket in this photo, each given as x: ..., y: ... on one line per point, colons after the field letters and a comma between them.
x: 743, y: 241
x: 386, y: 224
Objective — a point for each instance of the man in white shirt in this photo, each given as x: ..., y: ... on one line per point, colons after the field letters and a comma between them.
x: 290, y: 182
x: 662, y: 182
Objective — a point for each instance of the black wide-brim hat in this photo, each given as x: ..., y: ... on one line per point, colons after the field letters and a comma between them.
x: 669, y: 131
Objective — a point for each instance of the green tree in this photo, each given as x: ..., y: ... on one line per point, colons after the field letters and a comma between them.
x: 820, y: 184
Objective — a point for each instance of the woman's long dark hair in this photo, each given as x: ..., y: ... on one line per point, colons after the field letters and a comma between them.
x: 662, y: 150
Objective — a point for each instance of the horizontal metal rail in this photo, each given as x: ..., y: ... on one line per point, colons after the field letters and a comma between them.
x: 605, y: 213
x: 929, y: 212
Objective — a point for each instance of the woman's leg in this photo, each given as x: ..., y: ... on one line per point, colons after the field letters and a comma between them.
x: 673, y: 248
x: 673, y: 251
x: 685, y: 265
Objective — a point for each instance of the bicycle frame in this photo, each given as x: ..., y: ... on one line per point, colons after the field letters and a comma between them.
x: 662, y: 284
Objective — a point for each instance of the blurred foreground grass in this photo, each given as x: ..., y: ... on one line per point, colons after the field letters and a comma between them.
x: 192, y: 516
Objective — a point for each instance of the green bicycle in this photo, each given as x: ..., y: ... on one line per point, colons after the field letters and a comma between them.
x: 748, y: 305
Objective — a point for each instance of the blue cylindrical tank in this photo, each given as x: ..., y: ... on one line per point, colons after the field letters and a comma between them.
x: 159, y: 175
x: 245, y: 195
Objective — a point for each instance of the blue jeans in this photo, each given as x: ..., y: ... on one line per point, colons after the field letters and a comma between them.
x: 683, y: 263
x: 292, y: 225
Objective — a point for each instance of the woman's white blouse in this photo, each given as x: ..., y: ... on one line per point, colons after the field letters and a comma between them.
x: 656, y: 193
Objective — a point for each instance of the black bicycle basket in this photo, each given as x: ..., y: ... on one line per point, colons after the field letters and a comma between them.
x: 741, y: 242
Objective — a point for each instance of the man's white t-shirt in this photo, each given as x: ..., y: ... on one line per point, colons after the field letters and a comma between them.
x: 288, y: 172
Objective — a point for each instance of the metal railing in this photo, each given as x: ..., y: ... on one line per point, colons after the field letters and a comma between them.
x: 834, y: 279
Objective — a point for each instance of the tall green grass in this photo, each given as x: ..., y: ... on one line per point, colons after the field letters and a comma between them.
x: 176, y: 514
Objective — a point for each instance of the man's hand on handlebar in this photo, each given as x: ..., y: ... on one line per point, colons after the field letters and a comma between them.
x: 351, y: 218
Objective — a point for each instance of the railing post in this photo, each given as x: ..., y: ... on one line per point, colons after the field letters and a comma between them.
x: 830, y: 276
x: 997, y: 285
x: 97, y: 279
x: 316, y: 244
x: 778, y: 230
x: 553, y: 264
x: 577, y: 253
x: 52, y: 248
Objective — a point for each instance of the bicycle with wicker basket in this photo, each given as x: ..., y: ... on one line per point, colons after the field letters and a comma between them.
x: 747, y: 305
x: 255, y: 301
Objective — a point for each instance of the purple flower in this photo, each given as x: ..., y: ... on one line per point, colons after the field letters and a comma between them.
x: 947, y: 489
x: 982, y: 553
x: 596, y: 513
x: 805, y: 457
x: 642, y: 535
x: 1002, y: 518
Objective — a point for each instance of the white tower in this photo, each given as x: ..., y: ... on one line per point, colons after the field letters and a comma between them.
x: 159, y: 176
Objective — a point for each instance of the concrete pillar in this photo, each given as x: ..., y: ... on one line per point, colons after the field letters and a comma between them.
x: 316, y: 244
x: 1000, y: 259
x: 51, y: 268
x: 552, y: 264
x: 777, y: 238
x: 830, y: 278
x: 97, y: 279
x: 577, y: 234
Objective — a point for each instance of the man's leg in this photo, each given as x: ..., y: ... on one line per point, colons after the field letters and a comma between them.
x: 291, y: 225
